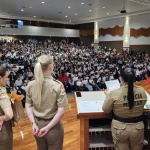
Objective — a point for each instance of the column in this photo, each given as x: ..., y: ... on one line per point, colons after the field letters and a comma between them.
x: 126, y: 34
x: 96, y: 34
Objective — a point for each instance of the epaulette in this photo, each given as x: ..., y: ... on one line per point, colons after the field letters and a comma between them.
x: 56, y: 81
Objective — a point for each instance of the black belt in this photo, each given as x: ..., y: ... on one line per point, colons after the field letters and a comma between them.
x: 129, y: 120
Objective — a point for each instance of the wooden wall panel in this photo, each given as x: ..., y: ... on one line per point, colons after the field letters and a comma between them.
x: 112, y: 31
x: 86, y: 32
x: 140, y: 32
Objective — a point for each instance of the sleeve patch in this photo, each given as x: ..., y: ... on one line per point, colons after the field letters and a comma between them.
x: 63, y: 89
x: 4, y: 96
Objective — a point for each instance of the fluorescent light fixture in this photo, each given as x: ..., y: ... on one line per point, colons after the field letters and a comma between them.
x: 43, y: 2
x: 69, y: 6
x: 66, y: 16
x: 22, y: 9
x: 76, y: 14
x: 82, y: 3
x: 90, y: 10
x: 103, y: 7
x: 19, y: 21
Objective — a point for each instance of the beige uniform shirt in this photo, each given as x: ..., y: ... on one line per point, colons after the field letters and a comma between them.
x: 117, y: 101
x: 4, y: 100
x: 53, y: 95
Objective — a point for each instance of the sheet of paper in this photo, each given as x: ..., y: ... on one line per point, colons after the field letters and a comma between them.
x: 92, y: 96
x: 90, y: 106
x: 112, y: 84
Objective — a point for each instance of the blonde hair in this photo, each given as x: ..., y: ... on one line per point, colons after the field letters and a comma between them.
x: 41, y: 65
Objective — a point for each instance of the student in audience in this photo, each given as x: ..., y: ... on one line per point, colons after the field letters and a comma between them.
x: 64, y: 79
x: 18, y: 82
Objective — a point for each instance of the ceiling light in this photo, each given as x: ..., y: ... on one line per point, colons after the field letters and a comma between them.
x: 69, y: 7
x: 30, y: 7
x: 76, y: 14
x: 82, y: 3
x: 107, y: 13
x: 90, y: 10
x: 103, y: 7
x: 34, y: 16
x: 43, y: 2
x: 70, y: 20
x: 22, y: 9
x: 66, y: 16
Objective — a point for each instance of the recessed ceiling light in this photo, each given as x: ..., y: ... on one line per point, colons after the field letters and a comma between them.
x: 66, y: 16
x: 107, y: 13
x: 43, y: 2
x: 30, y: 7
x: 69, y: 7
x: 22, y: 9
x: 103, y: 7
x: 76, y: 14
x: 90, y: 10
x: 34, y: 16
x: 82, y: 3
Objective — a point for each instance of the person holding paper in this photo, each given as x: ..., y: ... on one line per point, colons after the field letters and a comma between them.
x: 127, y: 104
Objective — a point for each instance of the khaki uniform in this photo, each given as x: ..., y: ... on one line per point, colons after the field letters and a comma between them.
x: 6, y: 135
x: 53, y: 95
x: 126, y: 136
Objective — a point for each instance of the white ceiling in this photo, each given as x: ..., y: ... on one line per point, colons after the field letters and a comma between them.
x: 56, y: 10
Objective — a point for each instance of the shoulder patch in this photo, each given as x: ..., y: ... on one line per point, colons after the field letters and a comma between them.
x: 63, y: 88
x: 4, y: 96
x: 57, y: 81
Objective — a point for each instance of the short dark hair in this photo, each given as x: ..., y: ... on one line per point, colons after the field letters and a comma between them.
x: 3, y: 71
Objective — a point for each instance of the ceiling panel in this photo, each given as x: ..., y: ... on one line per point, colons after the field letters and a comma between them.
x: 57, y: 10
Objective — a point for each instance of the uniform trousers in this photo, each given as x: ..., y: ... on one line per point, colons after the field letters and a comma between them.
x: 53, y: 140
x: 127, y: 136
x: 6, y: 136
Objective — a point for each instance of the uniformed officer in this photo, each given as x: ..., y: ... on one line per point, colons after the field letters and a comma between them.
x: 45, y: 103
x: 6, y: 113
x: 127, y: 104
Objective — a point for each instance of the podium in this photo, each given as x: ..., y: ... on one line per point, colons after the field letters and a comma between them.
x: 89, y: 106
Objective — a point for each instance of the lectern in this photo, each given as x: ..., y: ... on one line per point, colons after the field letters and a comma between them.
x: 89, y: 106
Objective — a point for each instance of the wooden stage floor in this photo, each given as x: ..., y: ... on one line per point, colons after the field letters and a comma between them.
x: 23, y: 139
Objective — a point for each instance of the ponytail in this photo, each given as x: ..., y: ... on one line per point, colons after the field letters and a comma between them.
x: 43, y: 62
x: 128, y: 76
x: 130, y: 95
x: 38, y: 73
